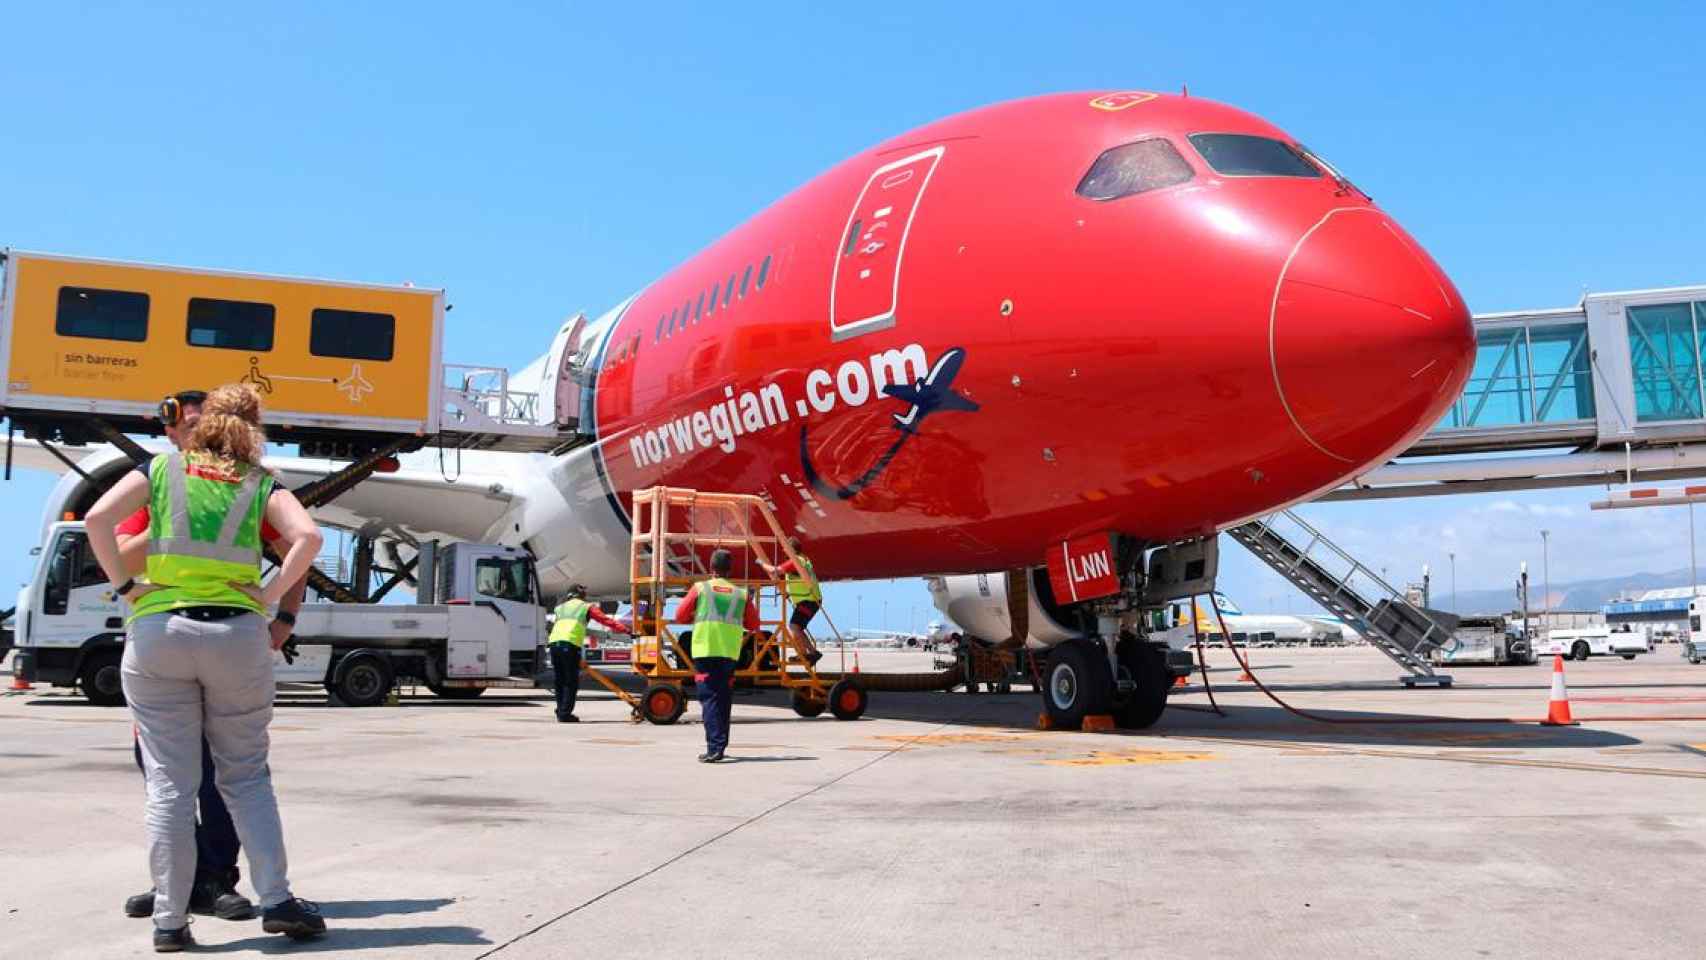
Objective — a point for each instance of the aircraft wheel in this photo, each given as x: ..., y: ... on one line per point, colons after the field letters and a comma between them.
x: 1076, y: 683
x: 848, y: 700
x: 1146, y: 668
x: 807, y: 705
x: 100, y: 679
x: 663, y: 703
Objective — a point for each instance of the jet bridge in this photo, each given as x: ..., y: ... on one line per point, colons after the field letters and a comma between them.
x: 1613, y: 388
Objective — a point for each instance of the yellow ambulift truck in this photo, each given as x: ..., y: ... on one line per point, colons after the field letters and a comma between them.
x: 348, y: 372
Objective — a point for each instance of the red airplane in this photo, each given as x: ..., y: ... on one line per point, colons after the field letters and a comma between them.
x: 985, y: 340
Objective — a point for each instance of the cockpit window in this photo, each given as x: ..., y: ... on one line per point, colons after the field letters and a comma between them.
x: 1134, y: 168
x: 1243, y: 155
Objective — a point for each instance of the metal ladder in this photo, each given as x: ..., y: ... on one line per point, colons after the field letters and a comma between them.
x: 1393, y: 625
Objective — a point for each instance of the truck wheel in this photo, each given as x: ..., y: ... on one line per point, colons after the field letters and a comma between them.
x: 848, y: 700
x: 100, y: 679
x: 1579, y: 650
x: 807, y: 705
x: 663, y: 703
x: 363, y: 680
x: 1628, y: 656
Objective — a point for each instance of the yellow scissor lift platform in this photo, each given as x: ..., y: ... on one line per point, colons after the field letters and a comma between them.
x: 675, y: 531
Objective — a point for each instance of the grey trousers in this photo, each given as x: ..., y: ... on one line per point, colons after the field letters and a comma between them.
x: 184, y: 678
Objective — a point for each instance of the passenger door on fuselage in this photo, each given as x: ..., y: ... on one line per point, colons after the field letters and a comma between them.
x: 863, y: 297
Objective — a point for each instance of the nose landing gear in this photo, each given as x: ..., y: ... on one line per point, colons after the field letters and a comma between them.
x: 1079, y: 681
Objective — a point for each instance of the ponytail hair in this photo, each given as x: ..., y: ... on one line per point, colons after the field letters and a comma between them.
x: 230, y: 426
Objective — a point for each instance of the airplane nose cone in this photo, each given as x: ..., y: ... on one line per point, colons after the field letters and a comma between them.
x: 1369, y: 340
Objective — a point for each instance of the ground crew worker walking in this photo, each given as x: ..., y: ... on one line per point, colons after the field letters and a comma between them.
x: 722, y: 614
x: 804, y: 593
x: 568, y: 636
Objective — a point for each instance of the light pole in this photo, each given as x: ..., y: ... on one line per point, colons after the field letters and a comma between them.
x: 1693, y: 567
x: 1453, y: 557
x: 1546, y: 569
x: 858, y: 611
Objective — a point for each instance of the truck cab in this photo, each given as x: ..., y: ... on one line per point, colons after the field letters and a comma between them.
x: 69, y: 625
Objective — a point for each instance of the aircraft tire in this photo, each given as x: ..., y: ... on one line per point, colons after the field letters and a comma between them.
x: 1076, y: 683
x: 1151, y: 681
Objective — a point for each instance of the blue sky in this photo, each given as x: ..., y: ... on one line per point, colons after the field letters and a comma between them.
x: 539, y: 159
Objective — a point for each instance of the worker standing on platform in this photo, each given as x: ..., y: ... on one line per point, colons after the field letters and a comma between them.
x: 722, y: 614
x: 568, y: 637
x: 804, y: 593
x: 214, y: 891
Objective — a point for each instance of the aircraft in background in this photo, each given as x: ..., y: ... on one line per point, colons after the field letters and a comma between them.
x: 981, y: 345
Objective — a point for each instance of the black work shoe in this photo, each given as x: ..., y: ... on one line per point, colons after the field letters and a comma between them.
x: 141, y: 905
x: 172, y: 941
x: 296, y: 918
x: 711, y: 758
x: 212, y: 897
x: 571, y: 718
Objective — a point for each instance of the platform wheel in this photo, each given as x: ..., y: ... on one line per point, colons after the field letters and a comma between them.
x: 848, y: 700
x: 663, y: 703
x: 809, y: 704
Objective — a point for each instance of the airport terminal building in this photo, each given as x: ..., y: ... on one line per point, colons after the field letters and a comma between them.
x: 1662, y: 611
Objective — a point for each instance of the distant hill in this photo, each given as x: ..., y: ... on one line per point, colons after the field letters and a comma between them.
x: 1576, y: 595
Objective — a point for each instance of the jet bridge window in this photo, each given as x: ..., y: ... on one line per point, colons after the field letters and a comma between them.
x: 230, y: 324
x: 1244, y: 155
x: 1134, y: 168
x: 102, y: 314
x: 351, y: 334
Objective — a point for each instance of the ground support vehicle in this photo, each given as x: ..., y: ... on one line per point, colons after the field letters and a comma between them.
x: 1583, y: 642
x: 675, y: 531
x: 1484, y: 640
x: 71, y: 628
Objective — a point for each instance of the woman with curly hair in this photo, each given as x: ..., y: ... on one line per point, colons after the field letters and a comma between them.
x: 197, y: 658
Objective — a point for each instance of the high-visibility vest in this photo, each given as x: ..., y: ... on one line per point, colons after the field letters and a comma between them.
x: 570, y: 627
x: 803, y: 585
x: 204, y: 535
x: 719, y: 621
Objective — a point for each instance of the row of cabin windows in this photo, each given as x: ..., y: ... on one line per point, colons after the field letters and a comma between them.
x: 708, y: 302
x: 223, y: 324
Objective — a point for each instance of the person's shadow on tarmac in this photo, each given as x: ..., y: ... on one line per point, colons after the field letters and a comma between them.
x: 340, y: 937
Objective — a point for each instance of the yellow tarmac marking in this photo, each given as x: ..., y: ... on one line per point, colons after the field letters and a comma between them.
x: 1118, y: 758
x: 1480, y: 759
x: 950, y: 739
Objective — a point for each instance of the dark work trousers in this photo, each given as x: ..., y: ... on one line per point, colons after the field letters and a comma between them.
x: 716, y: 676
x: 566, y: 664
x: 216, y: 843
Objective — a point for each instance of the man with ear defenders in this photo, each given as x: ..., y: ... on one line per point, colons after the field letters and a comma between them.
x: 215, y: 890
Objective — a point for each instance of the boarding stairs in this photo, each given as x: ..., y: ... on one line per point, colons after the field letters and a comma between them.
x: 1350, y: 591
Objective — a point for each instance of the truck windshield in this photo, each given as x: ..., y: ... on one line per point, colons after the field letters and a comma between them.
x: 503, y: 579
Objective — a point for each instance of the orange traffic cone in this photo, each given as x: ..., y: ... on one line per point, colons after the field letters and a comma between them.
x: 1181, y: 681
x: 1245, y: 675
x: 18, y: 682
x: 1558, y: 709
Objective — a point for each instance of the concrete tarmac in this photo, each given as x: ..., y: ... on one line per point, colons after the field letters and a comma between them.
x: 942, y: 825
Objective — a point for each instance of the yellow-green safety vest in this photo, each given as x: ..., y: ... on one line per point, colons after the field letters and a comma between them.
x: 570, y: 627
x: 204, y: 535
x: 804, y: 586
x: 719, y: 620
